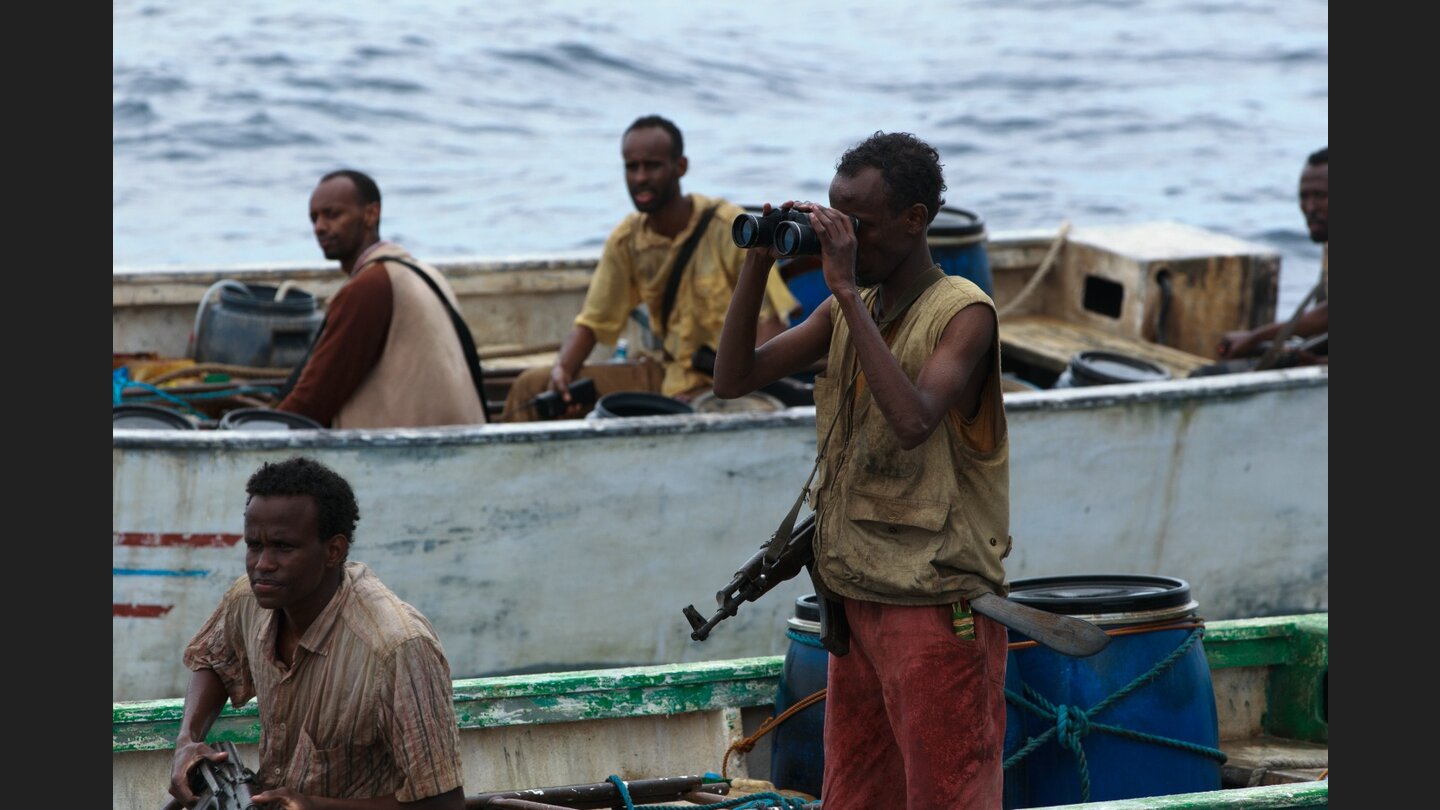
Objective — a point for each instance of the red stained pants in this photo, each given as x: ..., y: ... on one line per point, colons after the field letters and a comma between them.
x: 913, y: 713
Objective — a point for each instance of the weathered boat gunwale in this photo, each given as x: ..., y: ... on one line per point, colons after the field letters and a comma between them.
x: 1299, y: 642
x: 1072, y: 399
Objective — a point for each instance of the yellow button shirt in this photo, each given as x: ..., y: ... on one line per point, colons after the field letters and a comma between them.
x: 635, y: 267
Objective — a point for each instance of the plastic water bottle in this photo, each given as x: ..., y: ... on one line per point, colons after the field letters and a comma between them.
x: 622, y: 350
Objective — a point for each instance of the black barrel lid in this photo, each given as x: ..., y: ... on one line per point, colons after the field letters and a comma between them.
x: 266, y: 419
x: 956, y: 222
x: 139, y: 416
x: 807, y: 607
x: 1110, y: 367
x: 639, y: 403
x: 1088, y: 594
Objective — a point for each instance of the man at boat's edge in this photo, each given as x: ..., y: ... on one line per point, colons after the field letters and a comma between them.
x: 638, y: 261
x: 353, y: 687
x: 911, y: 494
x: 388, y: 353
x: 1314, y: 196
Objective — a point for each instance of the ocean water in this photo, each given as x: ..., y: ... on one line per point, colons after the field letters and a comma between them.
x: 494, y: 128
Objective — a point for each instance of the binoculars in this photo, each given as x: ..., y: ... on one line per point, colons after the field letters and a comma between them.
x: 785, y: 228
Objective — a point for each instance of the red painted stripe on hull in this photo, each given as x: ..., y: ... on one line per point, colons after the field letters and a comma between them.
x: 134, y: 611
x: 211, y: 540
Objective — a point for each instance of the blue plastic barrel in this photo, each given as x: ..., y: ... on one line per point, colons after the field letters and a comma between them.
x: 797, y: 746
x: 957, y: 244
x: 1141, y: 711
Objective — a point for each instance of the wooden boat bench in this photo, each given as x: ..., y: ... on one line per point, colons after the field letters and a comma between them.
x: 1268, y: 760
x: 1049, y: 343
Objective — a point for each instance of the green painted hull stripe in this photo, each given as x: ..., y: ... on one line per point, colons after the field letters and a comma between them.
x: 1294, y: 648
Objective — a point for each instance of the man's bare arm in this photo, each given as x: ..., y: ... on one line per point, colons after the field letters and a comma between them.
x: 745, y: 359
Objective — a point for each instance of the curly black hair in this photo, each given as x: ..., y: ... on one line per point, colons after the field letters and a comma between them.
x: 1320, y: 157
x: 335, y: 505
x: 910, y: 167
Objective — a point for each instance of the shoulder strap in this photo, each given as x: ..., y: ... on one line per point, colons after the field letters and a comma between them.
x: 462, y: 331
x: 300, y: 366
x: 681, y: 260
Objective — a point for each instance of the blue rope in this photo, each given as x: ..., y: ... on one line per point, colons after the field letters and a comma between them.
x: 754, y: 801
x: 1073, y: 723
x: 120, y: 380
x: 803, y: 638
x: 228, y: 392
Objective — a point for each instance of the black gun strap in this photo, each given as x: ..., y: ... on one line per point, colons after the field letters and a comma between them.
x: 682, y: 259
x: 782, y: 534
x: 462, y: 331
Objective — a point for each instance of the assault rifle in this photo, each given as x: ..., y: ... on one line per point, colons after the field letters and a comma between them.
x: 220, y: 785
x: 762, y: 572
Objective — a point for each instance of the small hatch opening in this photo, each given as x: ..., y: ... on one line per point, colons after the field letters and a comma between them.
x: 1103, y: 296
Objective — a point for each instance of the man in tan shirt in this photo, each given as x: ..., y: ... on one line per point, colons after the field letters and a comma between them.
x: 353, y: 687
x: 912, y: 488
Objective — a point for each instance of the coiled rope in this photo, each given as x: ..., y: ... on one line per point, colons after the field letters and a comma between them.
x: 1072, y: 724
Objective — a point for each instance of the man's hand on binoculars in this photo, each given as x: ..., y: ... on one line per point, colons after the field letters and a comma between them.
x: 836, y: 232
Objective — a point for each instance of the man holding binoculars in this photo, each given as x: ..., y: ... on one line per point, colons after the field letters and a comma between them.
x: 670, y: 233
x: 911, y: 492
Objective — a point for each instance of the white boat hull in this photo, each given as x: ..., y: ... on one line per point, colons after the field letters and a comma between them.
x: 547, y: 546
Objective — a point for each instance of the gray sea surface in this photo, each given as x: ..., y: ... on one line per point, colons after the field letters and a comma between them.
x: 494, y: 128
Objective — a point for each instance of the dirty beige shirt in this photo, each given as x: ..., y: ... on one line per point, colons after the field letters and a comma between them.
x: 365, y: 711
x: 924, y: 526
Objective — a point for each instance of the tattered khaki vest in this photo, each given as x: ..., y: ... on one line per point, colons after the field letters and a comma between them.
x: 923, y: 526
x: 422, y: 378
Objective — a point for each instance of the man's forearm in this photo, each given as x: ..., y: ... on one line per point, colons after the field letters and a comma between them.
x: 204, y: 699
x: 1315, y: 321
x: 735, y: 359
x: 576, y: 348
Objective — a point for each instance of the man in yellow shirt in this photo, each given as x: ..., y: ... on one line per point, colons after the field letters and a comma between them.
x: 640, y: 257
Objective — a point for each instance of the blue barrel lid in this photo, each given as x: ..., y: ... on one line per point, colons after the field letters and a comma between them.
x: 1101, y: 593
x: 952, y: 221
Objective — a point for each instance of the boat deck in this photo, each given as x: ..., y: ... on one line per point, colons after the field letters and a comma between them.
x: 1049, y: 343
